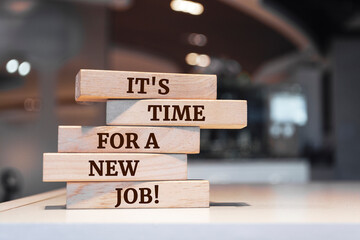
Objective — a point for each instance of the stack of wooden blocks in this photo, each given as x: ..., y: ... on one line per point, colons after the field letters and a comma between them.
x: 140, y: 161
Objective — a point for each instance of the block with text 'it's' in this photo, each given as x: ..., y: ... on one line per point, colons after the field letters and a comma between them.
x: 100, y: 85
x: 129, y: 139
x: 65, y: 167
x: 155, y: 194
x: 217, y: 114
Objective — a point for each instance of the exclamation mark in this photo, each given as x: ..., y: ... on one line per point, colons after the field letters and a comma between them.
x: 156, y: 193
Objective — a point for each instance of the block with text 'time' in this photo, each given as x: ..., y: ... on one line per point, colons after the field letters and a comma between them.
x: 64, y: 167
x: 220, y: 114
x: 129, y: 139
x: 100, y: 85
x: 160, y: 194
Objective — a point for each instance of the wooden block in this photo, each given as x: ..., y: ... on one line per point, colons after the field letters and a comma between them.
x: 202, y: 113
x: 99, y: 85
x: 64, y: 167
x: 129, y: 139
x: 162, y: 194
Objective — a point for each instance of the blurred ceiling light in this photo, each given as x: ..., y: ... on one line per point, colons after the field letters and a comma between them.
x: 19, y: 6
x: 190, y: 7
x: 12, y: 66
x: 201, y: 60
x: 197, y: 39
x: 121, y: 5
x: 191, y: 58
x: 24, y: 68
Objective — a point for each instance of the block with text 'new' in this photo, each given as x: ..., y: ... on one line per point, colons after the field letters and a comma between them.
x: 65, y: 167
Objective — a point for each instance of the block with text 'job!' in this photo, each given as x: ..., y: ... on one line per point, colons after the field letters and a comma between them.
x: 221, y: 114
x: 129, y: 139
x: 156, y: 194
x: 100, y: 85
x: 64, y: 167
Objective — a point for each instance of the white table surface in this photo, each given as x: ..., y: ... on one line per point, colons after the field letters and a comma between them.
x: 303, y: 211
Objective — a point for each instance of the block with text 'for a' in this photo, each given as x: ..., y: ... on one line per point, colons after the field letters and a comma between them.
x: 129, y: 139
x: 100, y: 85
x: 221, y: 114
x: 160, y: 194
x: 64, y: 167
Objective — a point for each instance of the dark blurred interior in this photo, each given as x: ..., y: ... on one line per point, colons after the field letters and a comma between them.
x: 297, y: 63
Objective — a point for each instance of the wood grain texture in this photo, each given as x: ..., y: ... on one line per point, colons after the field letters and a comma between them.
x: 100, y: 85
x: 169, y: 194
x: 119, y: 139
x: 221, y: 114
x: 63, y: 167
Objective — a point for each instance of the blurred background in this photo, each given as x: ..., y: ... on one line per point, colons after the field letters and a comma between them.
x: 297, y: 63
